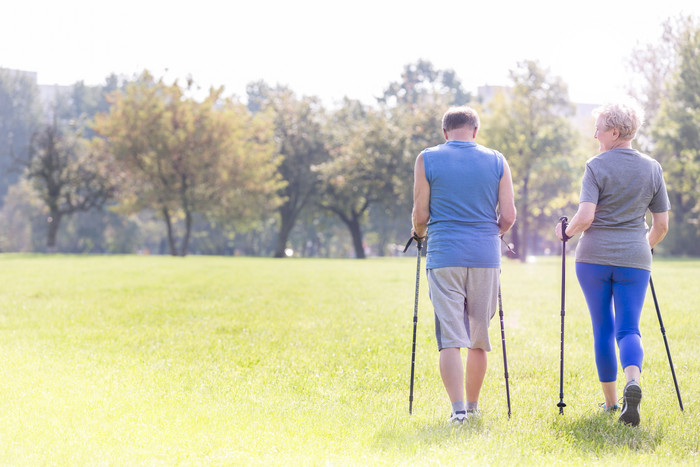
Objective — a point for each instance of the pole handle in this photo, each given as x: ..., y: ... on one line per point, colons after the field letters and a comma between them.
x: 419, y: 243
x: 564, y: 224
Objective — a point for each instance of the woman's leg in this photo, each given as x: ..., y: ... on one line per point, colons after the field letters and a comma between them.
x: 596, y: 284
x: 629, y: 292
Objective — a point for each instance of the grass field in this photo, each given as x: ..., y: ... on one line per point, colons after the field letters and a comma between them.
x: 126, y: 360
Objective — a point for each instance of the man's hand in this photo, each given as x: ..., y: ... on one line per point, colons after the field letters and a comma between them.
x: 416, y: 237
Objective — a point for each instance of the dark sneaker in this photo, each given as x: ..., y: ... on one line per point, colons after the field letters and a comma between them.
x: 631, y: 397
x: 458, y: 417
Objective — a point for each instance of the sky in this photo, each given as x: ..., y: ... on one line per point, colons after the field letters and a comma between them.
x: 332, y: 49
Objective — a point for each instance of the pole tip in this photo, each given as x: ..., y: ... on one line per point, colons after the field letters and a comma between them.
x: 561, y: 406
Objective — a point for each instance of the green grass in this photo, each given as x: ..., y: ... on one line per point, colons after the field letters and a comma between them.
x: 236, y: 361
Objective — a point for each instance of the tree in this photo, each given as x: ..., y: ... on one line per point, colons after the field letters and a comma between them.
x: 654, y: 65
x: 362, y: 168
x: 19, y: 117
x: 676, y: 132
x: 68, y: 176
x: 300, y: 144
x: 179, y: 156
x: 23, y: 219
x: 414, y: 105
x: 420, y: 80
x: 84, y: 102
x: 415, y: 127
x: 530, y: 126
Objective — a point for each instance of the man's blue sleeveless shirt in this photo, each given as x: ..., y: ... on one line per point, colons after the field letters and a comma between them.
x: 463, y: 227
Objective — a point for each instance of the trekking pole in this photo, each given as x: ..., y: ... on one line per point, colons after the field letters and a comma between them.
x: 503, y: 342
x: 503, y: 334
x: 663, y: 333
x: 419, y: 247
x: 564, y: 224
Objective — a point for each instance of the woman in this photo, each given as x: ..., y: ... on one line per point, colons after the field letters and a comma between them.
x: 613, y: 256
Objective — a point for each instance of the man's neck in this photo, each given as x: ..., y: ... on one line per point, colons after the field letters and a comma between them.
x: 467, y: 135
x: 462, y: 140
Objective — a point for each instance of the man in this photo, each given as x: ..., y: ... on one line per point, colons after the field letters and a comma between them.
x: 463, y: 198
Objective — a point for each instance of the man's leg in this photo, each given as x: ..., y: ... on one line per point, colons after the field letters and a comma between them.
x: 451, y: 372
x: 446, y: 293
x: 482, y: 290
x: 476, y: 370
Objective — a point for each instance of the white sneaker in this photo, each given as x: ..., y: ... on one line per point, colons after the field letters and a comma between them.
x: 458, y: 417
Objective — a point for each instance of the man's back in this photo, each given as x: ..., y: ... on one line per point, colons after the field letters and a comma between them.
x: 463, y: 229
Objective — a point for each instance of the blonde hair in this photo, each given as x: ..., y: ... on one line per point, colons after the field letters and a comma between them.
x: 459, y: 117
x: 627, y: 118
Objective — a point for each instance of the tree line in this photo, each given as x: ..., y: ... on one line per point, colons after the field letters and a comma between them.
x: 145, y: 165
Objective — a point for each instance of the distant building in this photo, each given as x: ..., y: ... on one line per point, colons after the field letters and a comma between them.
x: 582, y: 117
x: 29, y: 74
x: 486, y: 93
x: 48, y: 93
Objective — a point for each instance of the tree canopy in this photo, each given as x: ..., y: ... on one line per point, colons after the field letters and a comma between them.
x: 19, y: 118
x: 181, y: 157
x: 676, y: 134
x: 203, y: 172
x: 67, y: 174
x: 301, y: 145
x: 529, y: 124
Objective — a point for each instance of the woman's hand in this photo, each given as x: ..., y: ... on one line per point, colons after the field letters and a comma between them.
x: 558, y: 232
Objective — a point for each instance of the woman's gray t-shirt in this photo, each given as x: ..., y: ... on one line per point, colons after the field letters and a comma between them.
x: 623, y: 183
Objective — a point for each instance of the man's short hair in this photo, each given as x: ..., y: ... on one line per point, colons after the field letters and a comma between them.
x: 460, y: 117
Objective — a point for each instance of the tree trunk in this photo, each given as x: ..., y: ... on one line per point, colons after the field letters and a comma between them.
x: 515, y: 240
x: 354, y: 226
x: 54, y: 222
x: 524, y: 223
x: 169, y: 226
x: 287, y: 221
x: 381, y: 246
x: 186, y: 238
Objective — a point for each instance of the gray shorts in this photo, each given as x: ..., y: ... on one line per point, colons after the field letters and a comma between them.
x: 465, y: 300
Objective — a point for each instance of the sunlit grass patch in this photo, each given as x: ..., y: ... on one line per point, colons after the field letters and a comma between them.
x: 207, y: 360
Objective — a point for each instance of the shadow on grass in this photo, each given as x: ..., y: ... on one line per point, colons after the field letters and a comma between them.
x: 430, y: 434
x: 601, y: 432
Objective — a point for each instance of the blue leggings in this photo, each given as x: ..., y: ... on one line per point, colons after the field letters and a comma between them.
x: 626, y: 288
